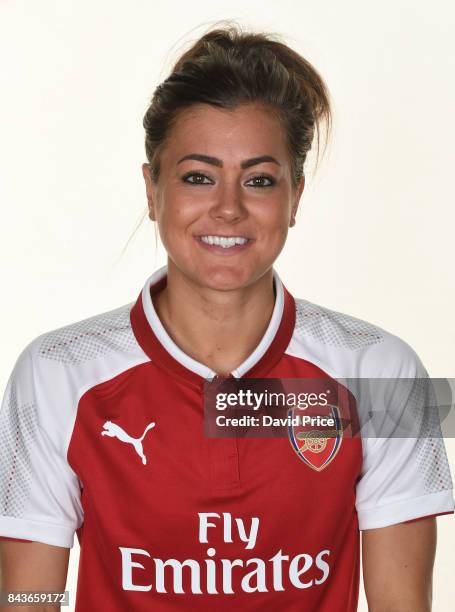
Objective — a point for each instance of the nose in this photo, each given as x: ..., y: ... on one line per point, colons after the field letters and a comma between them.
x: 228, y: 204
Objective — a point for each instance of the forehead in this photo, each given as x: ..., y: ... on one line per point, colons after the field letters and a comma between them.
x: 247, y: 130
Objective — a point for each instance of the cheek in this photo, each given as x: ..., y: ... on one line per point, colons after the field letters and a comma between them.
x: 175, y: 223
x: 273, y: 217
x: 175, y: 217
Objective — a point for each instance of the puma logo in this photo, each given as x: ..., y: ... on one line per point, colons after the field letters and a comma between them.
x: 115, y: 431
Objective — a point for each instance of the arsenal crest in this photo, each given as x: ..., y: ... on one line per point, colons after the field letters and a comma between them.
x: 315, y: 439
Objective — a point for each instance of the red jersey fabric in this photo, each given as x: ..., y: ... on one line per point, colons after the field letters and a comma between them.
x: 102, y: 429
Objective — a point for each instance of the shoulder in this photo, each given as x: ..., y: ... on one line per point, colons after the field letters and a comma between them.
x: 56, y: 367
x: 86, y: 339
x: 354, y: 345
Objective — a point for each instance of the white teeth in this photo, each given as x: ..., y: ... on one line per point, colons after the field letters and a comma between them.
x: 224, y: 241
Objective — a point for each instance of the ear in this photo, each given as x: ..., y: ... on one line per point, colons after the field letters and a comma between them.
x: 149, y: 190
x: 297, y: 196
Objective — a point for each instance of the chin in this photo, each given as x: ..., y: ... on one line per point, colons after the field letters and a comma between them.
x: 223, y: 278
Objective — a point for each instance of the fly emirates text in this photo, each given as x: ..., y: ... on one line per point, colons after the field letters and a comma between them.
x: 250, y: 575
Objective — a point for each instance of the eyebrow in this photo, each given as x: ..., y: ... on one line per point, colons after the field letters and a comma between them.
x: 246, y: 163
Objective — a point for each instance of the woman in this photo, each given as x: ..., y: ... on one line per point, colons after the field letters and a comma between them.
x: 103, y: 420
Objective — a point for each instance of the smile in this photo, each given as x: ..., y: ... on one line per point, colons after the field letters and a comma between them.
x: 224, y: 245
x: 224, y: 241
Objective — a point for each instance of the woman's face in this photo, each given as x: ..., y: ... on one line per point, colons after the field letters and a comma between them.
x: 229, y: 191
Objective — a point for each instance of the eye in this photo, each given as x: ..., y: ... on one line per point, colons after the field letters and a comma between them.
x: 197, y: 178
x: 195, y: 174
x: 262, y: 177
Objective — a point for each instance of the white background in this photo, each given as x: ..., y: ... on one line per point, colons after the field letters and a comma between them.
x: 374, y: 236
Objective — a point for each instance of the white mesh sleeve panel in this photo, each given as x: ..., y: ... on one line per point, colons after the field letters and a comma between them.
x: 39, y: 492
x: 403, y: 478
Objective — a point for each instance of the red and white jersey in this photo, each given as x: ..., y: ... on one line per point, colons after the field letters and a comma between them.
x: 102, y: 435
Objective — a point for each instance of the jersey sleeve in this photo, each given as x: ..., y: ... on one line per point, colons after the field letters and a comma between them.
x: 39, y: 492
x: 405, y: 474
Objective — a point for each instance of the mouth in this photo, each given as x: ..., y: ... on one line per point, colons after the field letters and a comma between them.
x: 224, y: 245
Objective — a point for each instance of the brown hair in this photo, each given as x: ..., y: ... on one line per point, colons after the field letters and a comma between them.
x: 227, y: 67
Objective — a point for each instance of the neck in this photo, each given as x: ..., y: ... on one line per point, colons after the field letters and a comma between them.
x: 217, y: 328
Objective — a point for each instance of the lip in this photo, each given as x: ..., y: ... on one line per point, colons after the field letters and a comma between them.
x: 224, y: 235
x: 219, y: 250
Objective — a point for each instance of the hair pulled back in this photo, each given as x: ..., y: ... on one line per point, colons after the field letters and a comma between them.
x: 228, y: 67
